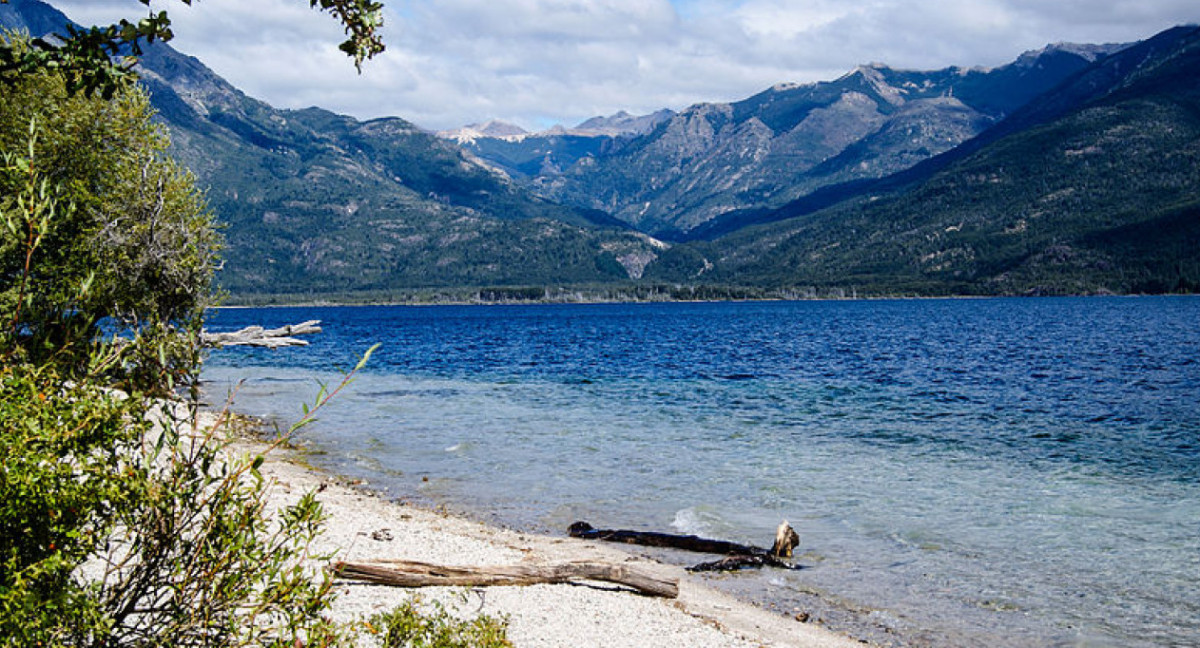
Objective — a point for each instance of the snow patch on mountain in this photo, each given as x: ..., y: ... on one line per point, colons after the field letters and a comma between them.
x: 494, y: 128
x: 617, y: 125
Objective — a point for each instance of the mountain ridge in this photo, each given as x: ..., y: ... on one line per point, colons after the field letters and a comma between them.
x: 1089, y: 189
x: 794, y: 139
x: 885, y: 181
x: 315, y: 201
x: 619, y: 124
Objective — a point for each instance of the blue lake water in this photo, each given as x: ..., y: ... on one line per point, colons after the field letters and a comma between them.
x: 1008, y: 472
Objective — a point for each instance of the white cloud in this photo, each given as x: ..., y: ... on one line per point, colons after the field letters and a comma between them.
x: 537, y: 62
x: 784, y: 19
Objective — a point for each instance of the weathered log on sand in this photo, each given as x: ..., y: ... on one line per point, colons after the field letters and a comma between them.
x: 738, y: 555
x: 258, y: 336
x: 404, y: 573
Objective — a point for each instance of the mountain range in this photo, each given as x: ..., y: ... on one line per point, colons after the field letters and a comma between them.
x: 785, y: 142
x: 1071, y: 170
x: 530, y: 157
x: 317, y: 203
x: 1093, y: 187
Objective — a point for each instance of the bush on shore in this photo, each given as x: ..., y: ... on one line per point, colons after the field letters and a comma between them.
x: 121, y: 524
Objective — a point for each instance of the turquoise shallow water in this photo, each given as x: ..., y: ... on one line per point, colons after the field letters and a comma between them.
x: 961, y: 472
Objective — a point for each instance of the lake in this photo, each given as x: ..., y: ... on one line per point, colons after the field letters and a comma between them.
x: 1000, y: 472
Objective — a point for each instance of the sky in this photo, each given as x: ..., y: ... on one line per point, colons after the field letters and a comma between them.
x: 537, y: 63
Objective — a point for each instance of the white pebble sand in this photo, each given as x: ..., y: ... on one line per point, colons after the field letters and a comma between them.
x: 362, y: 527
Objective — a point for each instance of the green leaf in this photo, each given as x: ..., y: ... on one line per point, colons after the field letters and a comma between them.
x: 367, y: 356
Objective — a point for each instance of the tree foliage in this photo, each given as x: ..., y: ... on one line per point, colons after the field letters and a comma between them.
x: 102, y: 58
x: 99, y: 225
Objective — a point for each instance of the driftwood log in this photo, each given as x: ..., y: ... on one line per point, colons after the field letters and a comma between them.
x: 403, y: 573
x: 261, y: 337
x: 737, y: 556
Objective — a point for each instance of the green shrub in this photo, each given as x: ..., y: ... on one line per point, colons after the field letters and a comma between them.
x: 418, y: 625
x: 65, y: 474
x: 114, y: 532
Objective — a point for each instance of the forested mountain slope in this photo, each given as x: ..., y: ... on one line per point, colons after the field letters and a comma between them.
x: 1094, y: 187
x: 317, y: 202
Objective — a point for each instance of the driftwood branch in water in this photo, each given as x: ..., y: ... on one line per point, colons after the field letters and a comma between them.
x: 403, y: 573
x: 258, y: 336
x: 737, y: 556
x: 742, y: 561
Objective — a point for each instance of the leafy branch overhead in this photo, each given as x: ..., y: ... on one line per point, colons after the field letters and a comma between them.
x: 97, y: 59
x: 362, y: 20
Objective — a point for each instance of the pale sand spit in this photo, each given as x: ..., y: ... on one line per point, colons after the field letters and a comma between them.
x: 363, y: 527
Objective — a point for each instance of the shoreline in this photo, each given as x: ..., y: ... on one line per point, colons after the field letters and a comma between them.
x: 362, y: 526
x: 603, y: 302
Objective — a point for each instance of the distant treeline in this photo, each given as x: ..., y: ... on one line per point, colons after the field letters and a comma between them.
x: 622, y: 294
x: 542, y: 294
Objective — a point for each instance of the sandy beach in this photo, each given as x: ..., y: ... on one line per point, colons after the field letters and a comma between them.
x: 362, y: 527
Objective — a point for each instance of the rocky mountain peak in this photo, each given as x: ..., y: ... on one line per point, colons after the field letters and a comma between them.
x: 498, y: 128
x: 1087, y: 52
x: 873, y: 74
x: 622, y: 123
